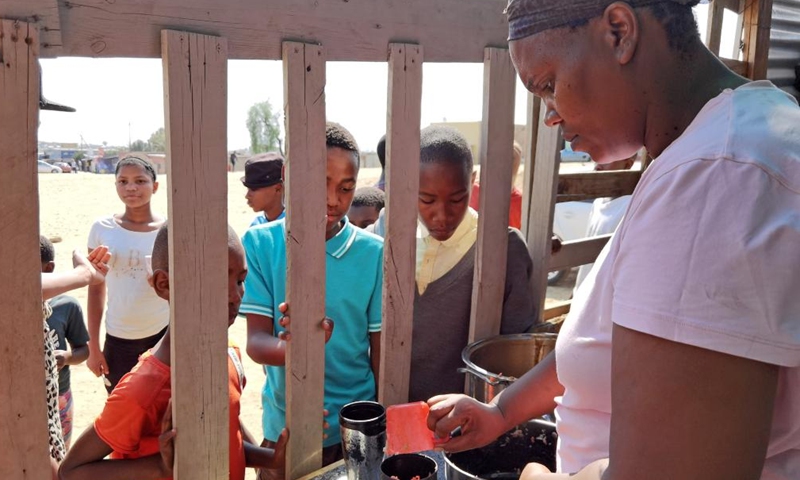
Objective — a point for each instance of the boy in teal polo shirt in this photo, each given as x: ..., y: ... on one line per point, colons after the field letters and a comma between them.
x: 353, y: 287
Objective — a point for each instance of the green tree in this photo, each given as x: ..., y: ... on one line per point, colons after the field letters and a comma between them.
x: 139, y: 146
x: 157, y: 141
x: 263, y: 123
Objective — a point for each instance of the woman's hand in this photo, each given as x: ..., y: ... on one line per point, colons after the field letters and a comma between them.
x: 480, y: 423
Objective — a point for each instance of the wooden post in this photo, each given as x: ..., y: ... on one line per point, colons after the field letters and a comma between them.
x: 400, y: 244
x: 497, y: 146
x: 23, y: 418
x: 716, y: 12
x: 543, y: 200
x: 757, y: 23
x: 304, y: 94
x: 531, y: 137
x: 195, y: 101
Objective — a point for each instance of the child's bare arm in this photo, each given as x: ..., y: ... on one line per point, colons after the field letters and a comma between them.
x: 375, y: 357
x: 260, y: 457
x: 86, y: 461
x: 86, y: 271
x: 74, y: 356
x: 262, y: 346
x: 95, y: 303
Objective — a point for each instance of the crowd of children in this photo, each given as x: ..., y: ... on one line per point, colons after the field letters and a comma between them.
x: 129, y: 287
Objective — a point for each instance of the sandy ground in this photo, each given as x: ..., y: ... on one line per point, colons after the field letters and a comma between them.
x: 69, y: 205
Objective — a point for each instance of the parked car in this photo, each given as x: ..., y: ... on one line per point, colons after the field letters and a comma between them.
x: 569, y: 155
x: 570, y: 222
x: 45, y: 167
x: 65, y: 167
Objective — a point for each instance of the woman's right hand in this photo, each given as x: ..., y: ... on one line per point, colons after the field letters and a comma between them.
x: 97, y: 362
x: 480, y: 423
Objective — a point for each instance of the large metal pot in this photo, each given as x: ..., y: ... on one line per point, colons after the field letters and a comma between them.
x: 495, y: 363
x: 534, y: 441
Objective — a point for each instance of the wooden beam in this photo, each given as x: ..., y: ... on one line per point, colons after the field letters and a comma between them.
x: 44, y: 14
x: 557, y: 310
x: 531, y: 136
x: 23, y: 418
x: 543, y: 193
x: 358, y: 30
x: 583, y: 186
x: 195, y: 101
x: 497, y: 156
x: 716, y: 12
x: 304, y: 94
x: 737, y: 66
x: 757, y: 23
x: 400, y: 243
x: 578, y: 252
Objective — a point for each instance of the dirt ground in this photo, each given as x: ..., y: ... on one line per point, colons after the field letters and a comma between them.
x: 70, y: 203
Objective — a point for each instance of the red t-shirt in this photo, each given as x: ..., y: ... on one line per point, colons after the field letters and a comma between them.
x: 514, y: 209
x: 131, y: 420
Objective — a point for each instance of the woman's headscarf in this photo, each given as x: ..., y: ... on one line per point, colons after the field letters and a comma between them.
x: 528, y: 17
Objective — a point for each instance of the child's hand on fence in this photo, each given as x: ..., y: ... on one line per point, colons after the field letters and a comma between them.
x: 285, y: 322
x: 166, y: 442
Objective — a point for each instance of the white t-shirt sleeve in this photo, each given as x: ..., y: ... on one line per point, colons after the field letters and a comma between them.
x: 710, y: 257
x: 94, y: 236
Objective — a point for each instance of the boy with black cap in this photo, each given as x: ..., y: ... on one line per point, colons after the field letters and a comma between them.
x: 263, y: 177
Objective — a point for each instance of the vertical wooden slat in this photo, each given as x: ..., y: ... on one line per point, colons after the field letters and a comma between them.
x: 195, y: 100
x: 757, y: 23
x: 716, y: 11
x: 23, y: 418
x: 531, y: 137
x: 497, y: 139
x: 543, y: 199
x: 304, y: 93
x: 402, y: 187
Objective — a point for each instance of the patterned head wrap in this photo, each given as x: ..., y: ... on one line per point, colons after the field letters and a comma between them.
x: 528, y: 17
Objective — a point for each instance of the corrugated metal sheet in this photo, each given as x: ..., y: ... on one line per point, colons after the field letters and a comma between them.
x: 784, y: 45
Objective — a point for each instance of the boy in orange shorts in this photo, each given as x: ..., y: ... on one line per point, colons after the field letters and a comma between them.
x: 130, y: 428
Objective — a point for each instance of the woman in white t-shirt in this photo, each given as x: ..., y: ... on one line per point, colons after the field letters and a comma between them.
x: 135, y: 317
x: 681, y: 356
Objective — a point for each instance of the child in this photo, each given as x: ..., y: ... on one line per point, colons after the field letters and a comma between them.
x: 89, y: 270
x: 515, y: 207
x: 130, y: 427
x: 66, y: 320
x: 367, y: 205
x: 263, y: 178
x: 353, y: 287
x: 445, y: 266
x: 136, y: 318
x: 381, y: 150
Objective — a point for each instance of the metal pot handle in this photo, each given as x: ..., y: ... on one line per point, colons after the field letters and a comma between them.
x: 491, y: 381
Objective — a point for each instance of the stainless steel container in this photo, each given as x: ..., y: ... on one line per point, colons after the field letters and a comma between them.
x: 363, y: 429
x: 409, y: 466
x: 495, y: 363
x: 534, y: 441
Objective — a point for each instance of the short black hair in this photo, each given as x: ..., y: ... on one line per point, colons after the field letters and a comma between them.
x: 338, y: 136
x: 677, y: 19
x: 136, y: 161
x: 160, y: 255
x: 440, y: 144
x: 382, y: 151
x: 46, y: 249
x: 369, y: 197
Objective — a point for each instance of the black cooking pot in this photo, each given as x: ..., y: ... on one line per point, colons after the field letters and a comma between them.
x: 534, y: 441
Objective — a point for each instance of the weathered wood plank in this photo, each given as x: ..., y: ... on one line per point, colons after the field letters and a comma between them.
x: 23, y: 418
x: 497, y: 143
x: 757, y: 23
x: 737, y: 66
x: 716, y: 12
x: 531, y: 136
x: 195, y: 101
x: 583, y: 186
x: 402, y: 188
x: 543, y: 194
x: 43, y: 13
x: 449, y: 30
x: 304, y: 94
x: 578, y: 252
x: 557, y: 310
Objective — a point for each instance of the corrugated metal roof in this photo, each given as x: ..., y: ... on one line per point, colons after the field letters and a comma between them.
x: 784, y: 45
